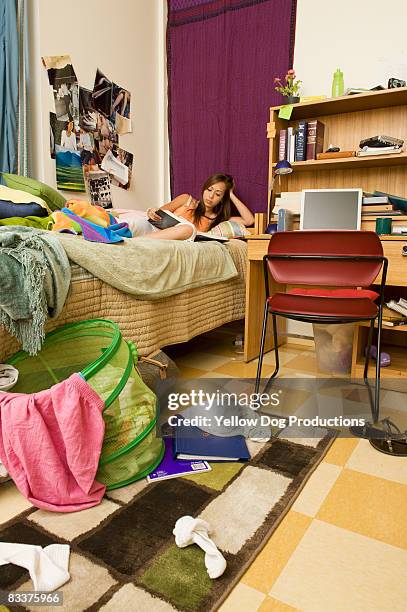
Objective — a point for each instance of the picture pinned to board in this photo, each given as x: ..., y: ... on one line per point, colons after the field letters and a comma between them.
x: 84, y: 132
x: 88, y: 115
x: 98, y: 187
x: 62, y: 77
x: 102, y: 93
x: 105, y: 135
x: 120, y: 111
x: 59, y: 69
x: 119, y: 164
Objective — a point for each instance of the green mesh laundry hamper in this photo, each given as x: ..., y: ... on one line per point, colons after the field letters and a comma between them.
x: 96, y: 349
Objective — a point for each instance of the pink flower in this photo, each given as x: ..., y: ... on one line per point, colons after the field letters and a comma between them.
x: 291, y: 73
x: 277, y: 80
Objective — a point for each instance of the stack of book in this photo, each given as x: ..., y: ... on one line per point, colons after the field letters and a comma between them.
x: 302, y: 142
x: 378, y: 206
x: 380, y: 145
x: 395, y: 313
x: 288, y: 200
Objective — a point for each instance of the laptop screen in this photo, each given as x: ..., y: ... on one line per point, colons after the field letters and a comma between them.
x: 331, y: 209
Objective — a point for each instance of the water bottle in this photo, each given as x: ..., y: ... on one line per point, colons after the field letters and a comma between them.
x: 337, y: 84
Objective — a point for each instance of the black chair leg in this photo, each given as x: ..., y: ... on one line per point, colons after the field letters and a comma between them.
x: 365, y: 371
x: 377, y: 387
x: 261, y: 355
x: 276, y: 369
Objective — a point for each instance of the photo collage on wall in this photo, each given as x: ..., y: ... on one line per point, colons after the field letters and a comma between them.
x: 84, y: 132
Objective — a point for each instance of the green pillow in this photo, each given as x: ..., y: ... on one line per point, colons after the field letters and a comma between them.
x: 52, y: 197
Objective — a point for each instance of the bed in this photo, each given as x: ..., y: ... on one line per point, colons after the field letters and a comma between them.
x: 151, y: 324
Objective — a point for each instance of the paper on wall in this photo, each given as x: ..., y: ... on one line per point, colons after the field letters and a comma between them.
x: 115, y: 167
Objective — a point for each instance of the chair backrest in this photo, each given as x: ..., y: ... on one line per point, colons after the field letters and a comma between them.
x: 322, y: 271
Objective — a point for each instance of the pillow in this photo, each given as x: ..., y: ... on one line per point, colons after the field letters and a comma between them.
x: 52, y: 197
x: 230, y: 229
x: 20, y: 197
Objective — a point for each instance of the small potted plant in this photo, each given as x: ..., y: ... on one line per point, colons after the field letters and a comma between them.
x: 290, y: 89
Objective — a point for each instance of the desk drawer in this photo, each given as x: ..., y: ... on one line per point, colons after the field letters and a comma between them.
x: 397, y: 270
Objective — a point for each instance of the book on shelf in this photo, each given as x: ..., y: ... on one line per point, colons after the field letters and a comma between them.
x: 382, y: 213
x: 290, y: 144
x: 392, y: 315
x: 388, y: 323
x: 399, y: 306
x: 366, y: 151
x: 369, y: 199
x: 172, y: 468
x: 168, y: 219
x: 399, y: 202
x: 282, y: 145
x: 301, y: 142
x: 305, y: 99
x: 335, y: 154
x: 192, y: 443
x: 315, y: 138
x: 381, y: 141
x: 374, y: 208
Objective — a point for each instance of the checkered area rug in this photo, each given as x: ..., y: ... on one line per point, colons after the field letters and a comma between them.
x: 123, y: 554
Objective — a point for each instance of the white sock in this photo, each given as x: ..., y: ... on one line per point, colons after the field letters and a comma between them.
x: 188, y: 531
x: 48, y: 566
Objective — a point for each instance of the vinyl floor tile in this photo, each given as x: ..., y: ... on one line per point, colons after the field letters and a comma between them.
x: 243, y: 599
x: 368, y: 460
x: 317, y: 488
x: 368, y: 505
x: 266, y: 568
x: 12, y: 502
x: 335, y: 570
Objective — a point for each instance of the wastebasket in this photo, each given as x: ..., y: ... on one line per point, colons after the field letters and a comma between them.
x: 333, y: 347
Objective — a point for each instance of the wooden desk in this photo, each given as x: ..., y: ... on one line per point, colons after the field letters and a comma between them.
x: 255, y: 294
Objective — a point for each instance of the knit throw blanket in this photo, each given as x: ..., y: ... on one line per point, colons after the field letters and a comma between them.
x: 35, y: 277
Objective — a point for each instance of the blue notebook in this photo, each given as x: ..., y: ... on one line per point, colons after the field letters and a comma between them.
x: 193, y: 443
x: 172, y: 468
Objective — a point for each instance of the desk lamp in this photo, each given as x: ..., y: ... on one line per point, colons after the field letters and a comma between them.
x: 281, y: 167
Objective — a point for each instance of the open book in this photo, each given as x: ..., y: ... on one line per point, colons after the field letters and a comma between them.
x: 168, y: 219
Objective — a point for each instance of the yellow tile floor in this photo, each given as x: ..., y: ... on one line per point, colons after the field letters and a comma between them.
x: 343, y: 544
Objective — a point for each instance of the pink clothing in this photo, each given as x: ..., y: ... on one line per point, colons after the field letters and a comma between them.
x: 50, y: 443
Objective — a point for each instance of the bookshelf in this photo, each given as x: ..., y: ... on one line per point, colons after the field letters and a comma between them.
x: 349, y: 119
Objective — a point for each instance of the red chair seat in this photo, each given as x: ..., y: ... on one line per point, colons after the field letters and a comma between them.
x: 342, y: 307
x: 347, y: 293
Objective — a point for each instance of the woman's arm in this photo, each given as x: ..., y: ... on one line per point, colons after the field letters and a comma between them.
x: 171, y: 206
x: 246, y: 216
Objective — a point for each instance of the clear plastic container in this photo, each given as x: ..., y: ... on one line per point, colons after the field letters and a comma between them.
x: 333, y: 347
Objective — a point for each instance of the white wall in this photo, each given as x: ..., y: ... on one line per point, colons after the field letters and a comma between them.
x: 366, y: 39
x: 125, y: 40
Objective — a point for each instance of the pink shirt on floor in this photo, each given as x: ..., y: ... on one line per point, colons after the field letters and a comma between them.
x: 50, y: 443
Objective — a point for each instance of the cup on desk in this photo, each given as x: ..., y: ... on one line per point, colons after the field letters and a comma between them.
x: 383, y: 226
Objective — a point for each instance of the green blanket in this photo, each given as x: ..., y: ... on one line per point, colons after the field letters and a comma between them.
x: 35, y: 277
x: 152, y: 269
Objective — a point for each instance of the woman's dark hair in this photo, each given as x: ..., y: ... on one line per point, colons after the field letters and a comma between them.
x: 223, y: 209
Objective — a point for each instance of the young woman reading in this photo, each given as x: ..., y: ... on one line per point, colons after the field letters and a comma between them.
x: 197, y: 215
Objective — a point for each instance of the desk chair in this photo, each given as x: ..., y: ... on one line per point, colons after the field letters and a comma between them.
x: 326, y: 258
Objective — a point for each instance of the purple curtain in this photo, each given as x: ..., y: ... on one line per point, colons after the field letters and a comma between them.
x: 222, y: 57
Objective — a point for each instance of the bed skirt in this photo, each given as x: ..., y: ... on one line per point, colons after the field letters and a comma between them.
x: 150, y: 324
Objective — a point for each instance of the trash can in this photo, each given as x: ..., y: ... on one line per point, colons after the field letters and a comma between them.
x: 333, y: 347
